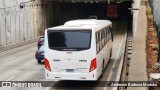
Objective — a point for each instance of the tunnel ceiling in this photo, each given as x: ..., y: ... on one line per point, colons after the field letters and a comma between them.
x: 90, y: 1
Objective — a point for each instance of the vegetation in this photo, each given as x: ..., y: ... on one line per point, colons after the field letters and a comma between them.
x: 151, y: 43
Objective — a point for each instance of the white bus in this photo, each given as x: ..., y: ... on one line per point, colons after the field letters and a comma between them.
x: 78, y: 50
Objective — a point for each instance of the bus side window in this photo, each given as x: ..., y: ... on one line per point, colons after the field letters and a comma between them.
x: 102, y: 38
x: 107, y: 35
x: 111, y: 33
x: 96, y: 37
x: 104, y: 35
x: 97, y: 42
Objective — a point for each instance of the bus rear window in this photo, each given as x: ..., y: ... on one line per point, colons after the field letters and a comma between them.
x: 71, y: 40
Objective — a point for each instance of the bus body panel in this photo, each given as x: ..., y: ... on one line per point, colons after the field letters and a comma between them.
x: 70, y: 60
x: 71, y: 76
x: 79, y: 61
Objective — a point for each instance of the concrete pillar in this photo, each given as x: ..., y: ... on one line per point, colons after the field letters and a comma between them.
x: 135, y: 13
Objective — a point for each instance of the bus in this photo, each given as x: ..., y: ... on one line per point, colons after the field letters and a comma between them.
x: 78, y: 50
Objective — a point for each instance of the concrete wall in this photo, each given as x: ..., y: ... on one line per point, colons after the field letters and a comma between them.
x: 19, y: 24
x: 155, y: 5
x: 135, y: 13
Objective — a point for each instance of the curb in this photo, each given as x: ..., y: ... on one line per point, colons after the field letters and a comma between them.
x: 15, y: 45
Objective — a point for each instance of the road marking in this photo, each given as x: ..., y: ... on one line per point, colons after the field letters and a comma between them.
x: 118, y: 53
x: 10, y: 79
x: 114, y: 65
x: 120, y: 47
x: 9, y: 59
x: 121, y: 60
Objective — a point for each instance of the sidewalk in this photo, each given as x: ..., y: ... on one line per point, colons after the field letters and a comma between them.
x: 137, y: 69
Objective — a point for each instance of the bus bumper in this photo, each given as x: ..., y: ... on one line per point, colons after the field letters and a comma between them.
x: 71, y: 76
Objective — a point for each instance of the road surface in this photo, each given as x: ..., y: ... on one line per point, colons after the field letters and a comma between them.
x: 19, y: 64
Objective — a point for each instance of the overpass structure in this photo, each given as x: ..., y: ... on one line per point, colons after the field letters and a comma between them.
x: 134, y: 8
x: 27, y: 21
x: 90, y: 1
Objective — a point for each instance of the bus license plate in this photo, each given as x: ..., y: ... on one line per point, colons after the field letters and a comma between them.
x: 70, y: 70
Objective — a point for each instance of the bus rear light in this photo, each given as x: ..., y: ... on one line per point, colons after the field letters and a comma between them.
x: 93, y: 65
x: 47, y: 65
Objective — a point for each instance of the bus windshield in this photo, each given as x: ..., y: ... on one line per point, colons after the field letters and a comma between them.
x: 69, y: 40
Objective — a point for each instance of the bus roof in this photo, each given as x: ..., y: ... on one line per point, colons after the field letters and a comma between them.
x: 83, y: 24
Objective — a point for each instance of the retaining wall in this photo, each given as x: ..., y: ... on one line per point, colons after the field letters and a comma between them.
x: 20, y: 22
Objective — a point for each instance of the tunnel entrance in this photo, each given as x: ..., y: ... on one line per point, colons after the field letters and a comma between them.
x: 56, y: 12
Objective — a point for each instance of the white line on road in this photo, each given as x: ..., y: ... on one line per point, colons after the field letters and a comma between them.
x: 121, y: 61
x: 9, y: 59
x: 117, y: 56
x: 120, y: 47
x: 10, y: 79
